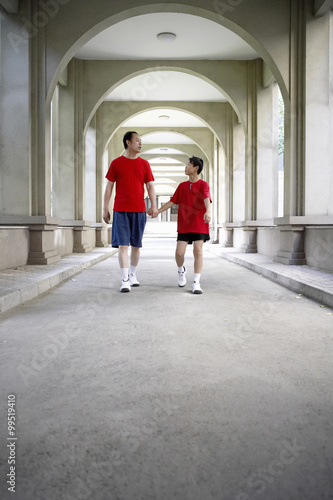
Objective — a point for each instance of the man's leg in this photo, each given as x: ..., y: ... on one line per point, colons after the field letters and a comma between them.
x: 135, y: 256
x: 180, y: 257
x: 123, y: 257
x: 198, y: 263
x: 123, y: 264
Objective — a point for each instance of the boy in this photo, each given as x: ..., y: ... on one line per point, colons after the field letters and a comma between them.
x: 193, y: 200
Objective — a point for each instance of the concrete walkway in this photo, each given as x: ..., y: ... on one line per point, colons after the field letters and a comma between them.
x: 160, y: 394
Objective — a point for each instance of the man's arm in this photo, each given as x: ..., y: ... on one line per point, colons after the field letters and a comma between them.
x: 207, y: 216
x: 107, y: 196
x: 152, y: 196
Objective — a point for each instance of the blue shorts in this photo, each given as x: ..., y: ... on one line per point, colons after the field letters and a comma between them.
x: 127, y: 228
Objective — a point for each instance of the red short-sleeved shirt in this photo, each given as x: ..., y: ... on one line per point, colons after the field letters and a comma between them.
x: 191, y: 207
x: 130, y: 177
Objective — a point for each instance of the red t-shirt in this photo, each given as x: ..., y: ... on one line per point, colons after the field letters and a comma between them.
x: 130, y: 177
x: 191, y: 207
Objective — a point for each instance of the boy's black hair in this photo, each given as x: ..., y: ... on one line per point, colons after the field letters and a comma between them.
x: 128, y: 137
x: 197, y: 162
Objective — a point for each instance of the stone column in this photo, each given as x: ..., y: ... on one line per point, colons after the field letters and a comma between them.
x: 229, y: 164
x: 40, y: 153
x: 295, y: 115
x: 267, y: 154
x: 79, y: 147
x: 100, y: 174
x: 254, y: 69
x: 14, y: 116
x: 63, y: 169
x: 319, y: 114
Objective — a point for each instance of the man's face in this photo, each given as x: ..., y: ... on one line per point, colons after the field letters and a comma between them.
x: 134, y: 144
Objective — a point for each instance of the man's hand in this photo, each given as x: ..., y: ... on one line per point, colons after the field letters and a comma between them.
x: 207, y: 217
x: 106, y: 215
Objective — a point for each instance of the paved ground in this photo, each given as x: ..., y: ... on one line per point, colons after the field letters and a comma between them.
x: 164, y: 395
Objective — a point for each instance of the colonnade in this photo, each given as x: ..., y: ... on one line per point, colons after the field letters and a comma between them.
x: 59, y: 134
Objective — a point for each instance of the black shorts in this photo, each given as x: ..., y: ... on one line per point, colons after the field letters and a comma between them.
x: 190, y: 237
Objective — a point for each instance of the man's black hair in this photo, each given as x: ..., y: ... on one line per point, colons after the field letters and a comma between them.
x: 128, y: 137
x: 197, y: 162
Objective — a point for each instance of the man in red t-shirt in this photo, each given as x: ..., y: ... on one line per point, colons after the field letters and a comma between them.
x: 193, y: 200
x: 130, y: 173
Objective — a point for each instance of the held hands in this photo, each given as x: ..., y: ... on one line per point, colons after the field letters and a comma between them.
x: 207, y: 217
x: 153, y: 212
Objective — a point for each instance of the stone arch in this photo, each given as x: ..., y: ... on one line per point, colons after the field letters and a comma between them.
x: 103, y: 17
x: 167, y: 66
x: 183, y: 106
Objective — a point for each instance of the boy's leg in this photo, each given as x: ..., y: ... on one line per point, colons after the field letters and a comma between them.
x: 198, y: 256
x: 180, y: 252
x: 180, y: 256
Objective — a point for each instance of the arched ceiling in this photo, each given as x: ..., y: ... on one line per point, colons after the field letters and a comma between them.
x: 166, y: 86
x: 197, y: 38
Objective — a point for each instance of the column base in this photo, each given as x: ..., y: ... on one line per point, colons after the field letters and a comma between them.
x: 42, y: 249
x: 250, y: 235
x: 291, y: 250
x: 43, y: 258
x: 290, y: 258
x: 81, y: 244
x: 101, y: 231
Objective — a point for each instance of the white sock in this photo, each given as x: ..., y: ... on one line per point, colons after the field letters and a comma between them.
x: 196, y: 277
x: 124, y: 273
x: 180, y: 269
x: 132, y: 269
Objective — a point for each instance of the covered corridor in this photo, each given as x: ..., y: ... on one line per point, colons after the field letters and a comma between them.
x: 161, y: 394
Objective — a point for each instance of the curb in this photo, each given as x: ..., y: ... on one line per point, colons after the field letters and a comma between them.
x: 42, y: 284
x: 311, y: 291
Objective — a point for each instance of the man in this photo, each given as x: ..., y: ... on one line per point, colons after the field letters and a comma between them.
x: 193, y: 200
x: 130, y: 173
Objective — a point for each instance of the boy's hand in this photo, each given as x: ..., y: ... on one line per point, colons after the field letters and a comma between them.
x: 207, y: 217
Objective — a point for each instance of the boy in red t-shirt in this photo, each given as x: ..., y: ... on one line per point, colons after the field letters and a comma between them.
x: 193, y: 200
x: 130, y: 173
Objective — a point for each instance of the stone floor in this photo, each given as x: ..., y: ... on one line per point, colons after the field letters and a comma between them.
x: 160, y: 394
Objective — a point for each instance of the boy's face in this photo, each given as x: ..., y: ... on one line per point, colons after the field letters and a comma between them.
x: 190, y: 169
x: 134, y: 145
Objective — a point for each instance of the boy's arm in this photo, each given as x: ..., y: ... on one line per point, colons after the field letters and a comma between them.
x: 207, y: 216
x: 165, y: 207
x: 152, y: 196
x: 107, y: 196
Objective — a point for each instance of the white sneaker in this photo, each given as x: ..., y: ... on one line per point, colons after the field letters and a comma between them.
x: 125, y: 286
x: 182, y: 277
x: 133, y: 280
x: 196, y: 288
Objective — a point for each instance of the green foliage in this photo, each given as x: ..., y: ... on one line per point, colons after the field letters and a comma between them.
x: 281, y: 125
